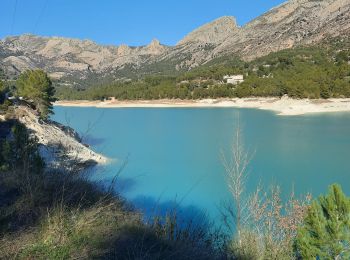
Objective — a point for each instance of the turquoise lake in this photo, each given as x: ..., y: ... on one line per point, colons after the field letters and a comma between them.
x: 174, y: 154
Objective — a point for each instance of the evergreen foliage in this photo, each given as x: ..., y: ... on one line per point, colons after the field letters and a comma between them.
x: 325, y: 233
x: 2, y: 92
x: 20, y: 152
x: 36, y: 86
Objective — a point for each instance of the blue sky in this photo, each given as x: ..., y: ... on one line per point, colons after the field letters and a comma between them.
x: 132, y: 22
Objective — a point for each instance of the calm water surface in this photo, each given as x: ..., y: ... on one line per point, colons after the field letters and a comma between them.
x: 174, y: 154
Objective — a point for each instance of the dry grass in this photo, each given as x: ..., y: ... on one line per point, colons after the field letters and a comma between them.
x: 261, y: 224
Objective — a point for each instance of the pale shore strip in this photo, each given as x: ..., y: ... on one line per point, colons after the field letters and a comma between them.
x: 282, y: 106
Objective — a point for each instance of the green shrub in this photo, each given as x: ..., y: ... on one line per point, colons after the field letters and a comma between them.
x: 35, y: 86
x: 325, y: 231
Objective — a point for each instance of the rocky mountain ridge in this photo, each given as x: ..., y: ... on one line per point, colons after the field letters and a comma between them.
x: 295, y: 22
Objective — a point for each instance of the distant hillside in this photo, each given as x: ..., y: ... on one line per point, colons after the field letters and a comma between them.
x: 77, y: 62
x: 321, y: 71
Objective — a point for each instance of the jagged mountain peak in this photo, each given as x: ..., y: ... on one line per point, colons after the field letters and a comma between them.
x: 155, y: 48
x: 154, y: 42
x: 214, y: 32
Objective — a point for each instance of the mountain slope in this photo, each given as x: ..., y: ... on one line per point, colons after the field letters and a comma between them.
x: 292, y: 23
x: 215, y: 32
x: 296, y: 22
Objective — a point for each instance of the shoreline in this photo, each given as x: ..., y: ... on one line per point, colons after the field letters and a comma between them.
x: 60, y: 147
x: 282, y: 106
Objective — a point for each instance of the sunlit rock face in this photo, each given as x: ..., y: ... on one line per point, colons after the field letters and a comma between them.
x: 215, y: 32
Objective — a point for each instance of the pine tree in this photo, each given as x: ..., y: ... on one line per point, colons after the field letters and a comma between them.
x: 36, y: 86
x: 325, y: 233
x: 2, y: 92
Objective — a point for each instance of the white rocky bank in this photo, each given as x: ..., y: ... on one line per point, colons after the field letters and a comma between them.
x: 284, y: 106
x: 60, y: 145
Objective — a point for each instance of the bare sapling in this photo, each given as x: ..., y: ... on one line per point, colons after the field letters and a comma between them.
x: 236, y: 169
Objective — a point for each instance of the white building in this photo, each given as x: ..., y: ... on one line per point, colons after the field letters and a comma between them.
x: 234, y: 79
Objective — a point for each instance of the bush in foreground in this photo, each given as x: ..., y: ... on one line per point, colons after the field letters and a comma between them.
x: 325, y: 233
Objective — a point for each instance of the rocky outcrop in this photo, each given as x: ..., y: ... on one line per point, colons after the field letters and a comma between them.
x: 60, y: 146
x: 18, y: 63
x: 155, y: 48
x: 70, y: 57
x: 295, y: 22
x: 215, y: 32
